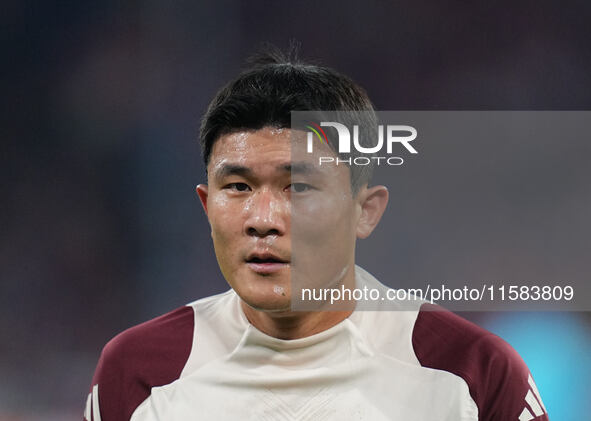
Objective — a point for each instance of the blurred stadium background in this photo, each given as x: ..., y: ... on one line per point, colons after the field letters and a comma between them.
x: 101, y: 228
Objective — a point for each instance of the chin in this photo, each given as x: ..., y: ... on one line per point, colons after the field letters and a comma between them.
x: 272, y: 308
x: 263, y: 293
x: 265, y: 298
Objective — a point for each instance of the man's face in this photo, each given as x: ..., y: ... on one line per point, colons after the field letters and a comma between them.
x: 273, y: 217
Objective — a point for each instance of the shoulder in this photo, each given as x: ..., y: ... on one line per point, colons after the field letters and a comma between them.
x: 170, y: 334
x: 147, y: 355
x: 498, y: 379
x: 157, y: 353
x: 442, y: 336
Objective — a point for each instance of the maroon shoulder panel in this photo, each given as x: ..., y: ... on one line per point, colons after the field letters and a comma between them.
x: 496, y: 375
x: 150, y: 354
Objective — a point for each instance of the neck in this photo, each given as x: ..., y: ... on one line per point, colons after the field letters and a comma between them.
x: 293, y: 324
x: 288, y: 324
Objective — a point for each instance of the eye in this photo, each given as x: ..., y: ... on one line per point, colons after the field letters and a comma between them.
x: 238, y: 187
x: 299, y: 187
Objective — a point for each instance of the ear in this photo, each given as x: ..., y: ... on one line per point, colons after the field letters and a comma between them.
x: 202, y: 192
x: 373, y: 203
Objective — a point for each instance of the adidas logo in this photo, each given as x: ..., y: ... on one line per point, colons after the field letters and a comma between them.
x: 533, y: 402
x: 92, y: 411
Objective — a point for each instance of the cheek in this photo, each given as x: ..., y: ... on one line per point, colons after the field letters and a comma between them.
x: 326, y: 216
x: 224, y: 232
x: 323, y: 239
x: 225, y: 222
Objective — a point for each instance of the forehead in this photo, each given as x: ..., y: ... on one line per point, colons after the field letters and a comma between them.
x: 242, y: 146
x: 271, y: 150
x: 260, y: 150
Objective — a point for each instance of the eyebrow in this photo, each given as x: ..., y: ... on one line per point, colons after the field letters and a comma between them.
x: 300, y: 168
x: 293, y: 168
x: 232, y: 169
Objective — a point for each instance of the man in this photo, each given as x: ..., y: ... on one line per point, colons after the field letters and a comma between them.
x: 276, y: 218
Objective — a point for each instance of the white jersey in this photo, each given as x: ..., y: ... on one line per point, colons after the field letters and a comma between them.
x: 207, y: 362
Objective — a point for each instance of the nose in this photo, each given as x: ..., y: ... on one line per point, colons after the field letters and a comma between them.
x: 268, y: 214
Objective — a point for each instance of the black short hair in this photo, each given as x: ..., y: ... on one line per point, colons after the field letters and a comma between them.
x: 274, y: 84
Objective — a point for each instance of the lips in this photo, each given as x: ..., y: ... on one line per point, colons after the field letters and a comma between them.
x: 266, y: 263
x: 265, y: 258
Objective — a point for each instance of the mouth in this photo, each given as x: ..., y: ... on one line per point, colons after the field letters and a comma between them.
x: 266, y: 263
